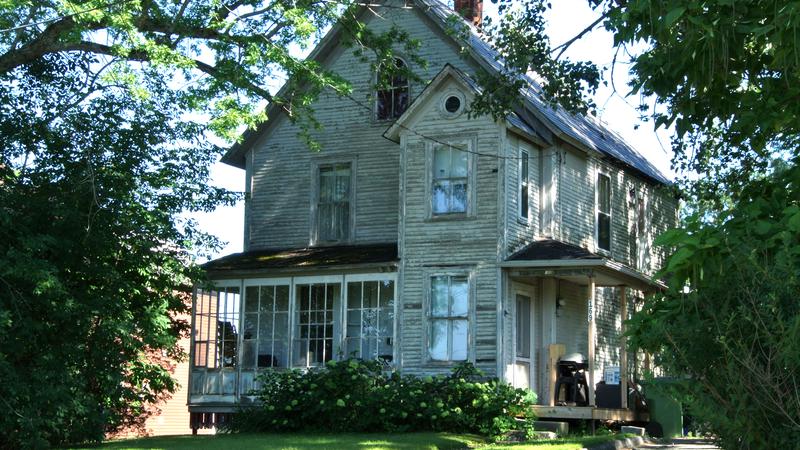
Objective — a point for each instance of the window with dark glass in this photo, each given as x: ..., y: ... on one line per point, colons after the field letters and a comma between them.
x: 265, y: 333
x: 392, y: 94
x: 523, y: 184
x: 315, y: 305
x: 603, y: 212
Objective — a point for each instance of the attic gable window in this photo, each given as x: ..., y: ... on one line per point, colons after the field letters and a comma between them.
x: 603, y: 212
x: 392, y: 94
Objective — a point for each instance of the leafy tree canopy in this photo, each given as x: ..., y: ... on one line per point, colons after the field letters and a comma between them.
x: 102, y: 156
x: 93, y: 258
x: 224, y: 51
x: 726, y: 74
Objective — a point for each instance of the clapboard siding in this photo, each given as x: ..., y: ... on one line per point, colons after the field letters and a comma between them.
x: 521, y: 232
x: 576, y: 177
x: 468, y: 244
x: 279, y: 212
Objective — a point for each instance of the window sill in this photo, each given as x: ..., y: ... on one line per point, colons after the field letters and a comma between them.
x: 603, y: 252
x: 524, y: 221
x: 451, y: 363
x: 450, y: 218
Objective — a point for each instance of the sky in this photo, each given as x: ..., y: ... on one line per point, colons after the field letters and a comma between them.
x: 565, y: 20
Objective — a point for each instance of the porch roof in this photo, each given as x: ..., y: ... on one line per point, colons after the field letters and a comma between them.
x: 553, y: 258
x: 309, y: 257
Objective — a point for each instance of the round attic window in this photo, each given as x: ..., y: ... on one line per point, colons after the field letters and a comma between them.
x: 452, y: 104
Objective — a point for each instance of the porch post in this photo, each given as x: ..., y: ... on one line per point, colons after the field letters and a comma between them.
x: 591, y: 305
x: 623, y: 349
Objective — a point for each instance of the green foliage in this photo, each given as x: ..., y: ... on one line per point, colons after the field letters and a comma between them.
x: 730, y: 320
x: 729, y: 76
x: 212, y: 51
x: 354, y: 395
x: 519, y: 35
x: 93, y: 256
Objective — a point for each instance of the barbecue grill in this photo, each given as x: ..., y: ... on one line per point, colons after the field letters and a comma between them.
x: 571, y: 388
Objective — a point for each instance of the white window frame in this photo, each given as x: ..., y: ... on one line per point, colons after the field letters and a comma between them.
x: 316, y: 165
x: 372, y: 277
x: 597, y: 212
x: 524, y: 157
x: 470, y: 317
x: 468, y: 142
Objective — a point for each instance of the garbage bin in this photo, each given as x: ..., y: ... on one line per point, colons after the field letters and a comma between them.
x: 666, y: 414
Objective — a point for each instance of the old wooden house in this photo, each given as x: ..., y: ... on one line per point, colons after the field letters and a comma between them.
x: 424, y: 237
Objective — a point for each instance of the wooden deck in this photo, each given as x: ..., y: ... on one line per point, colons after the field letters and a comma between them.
x: 589, y: 413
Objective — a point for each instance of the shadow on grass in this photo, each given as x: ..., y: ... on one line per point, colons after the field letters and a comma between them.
x: 360, y: 441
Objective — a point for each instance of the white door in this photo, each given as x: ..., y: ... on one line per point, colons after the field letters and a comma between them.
x: 522, y: 337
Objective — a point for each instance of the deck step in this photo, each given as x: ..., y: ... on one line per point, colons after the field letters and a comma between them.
x: 559, y: 428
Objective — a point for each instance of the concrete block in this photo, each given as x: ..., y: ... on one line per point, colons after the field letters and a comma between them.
x: 638, y: 431
x: 560, y: 428
x: 543, y: 435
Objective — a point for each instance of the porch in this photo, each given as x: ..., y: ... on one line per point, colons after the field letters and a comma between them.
x: 557, y: 277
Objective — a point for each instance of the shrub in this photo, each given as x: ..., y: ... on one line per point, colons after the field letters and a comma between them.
x: 356, y: 396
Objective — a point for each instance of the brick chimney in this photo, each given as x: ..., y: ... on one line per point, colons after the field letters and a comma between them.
x: 471, y: 10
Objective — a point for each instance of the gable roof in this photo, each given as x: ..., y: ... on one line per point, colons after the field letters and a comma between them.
x: 513, y: 120
x: 579, y: 130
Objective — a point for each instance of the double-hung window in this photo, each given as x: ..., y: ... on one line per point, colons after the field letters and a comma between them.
x: 603, y: 212
x: 449, y: 318
x: 523, y: 185
x: 334, y: 203
x: 450, y: 180
x: 392, y: 93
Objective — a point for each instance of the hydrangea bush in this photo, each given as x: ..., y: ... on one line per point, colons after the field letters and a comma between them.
x: 357, y: 396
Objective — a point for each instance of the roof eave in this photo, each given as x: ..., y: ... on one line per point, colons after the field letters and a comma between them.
x: 633, y: 277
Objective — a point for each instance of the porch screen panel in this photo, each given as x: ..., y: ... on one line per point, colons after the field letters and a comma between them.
x: 314, y: 305
x: 215, y: 340
x: 266, y: 327
x: 215, y: 333
x: 370, y: 320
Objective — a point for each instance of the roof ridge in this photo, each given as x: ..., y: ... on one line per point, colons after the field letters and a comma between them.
x: 582, y: 128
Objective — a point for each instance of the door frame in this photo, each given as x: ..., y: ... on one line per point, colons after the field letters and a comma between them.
x: 534, y: 362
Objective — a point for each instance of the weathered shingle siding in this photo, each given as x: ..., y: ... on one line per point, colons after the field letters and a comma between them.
x: 521, y: 232
x: 433, y: 246
x: 279, y: 213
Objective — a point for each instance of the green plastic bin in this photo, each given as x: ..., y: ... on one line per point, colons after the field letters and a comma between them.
x: 666, y: 414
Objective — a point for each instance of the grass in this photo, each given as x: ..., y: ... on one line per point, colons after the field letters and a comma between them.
x: 357, y: 441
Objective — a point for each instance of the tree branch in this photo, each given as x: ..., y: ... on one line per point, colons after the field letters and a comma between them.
x: 142, y: 56
x: 563, y: 47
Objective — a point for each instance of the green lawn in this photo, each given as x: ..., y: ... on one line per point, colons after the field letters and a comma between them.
x: 342, y: 441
